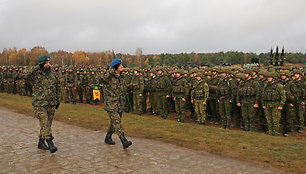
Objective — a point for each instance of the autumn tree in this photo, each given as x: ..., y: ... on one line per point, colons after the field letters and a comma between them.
x: 37, y: 52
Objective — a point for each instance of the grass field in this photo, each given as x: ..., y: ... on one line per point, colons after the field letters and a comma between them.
x: 286, y: 153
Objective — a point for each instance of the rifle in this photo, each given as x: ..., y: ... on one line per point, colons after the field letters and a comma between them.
x: 271, y: 56
x: 282, y: 57
x: 276, y: 57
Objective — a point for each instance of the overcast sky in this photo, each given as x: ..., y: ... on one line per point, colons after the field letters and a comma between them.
x: 156, y: 26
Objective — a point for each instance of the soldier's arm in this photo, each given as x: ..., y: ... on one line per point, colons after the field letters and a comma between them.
x: 186, y: 87
x: 141, y: 84
x: 257, y: 91
x: 206, y: 92
x: 282, y: 92
x: 233, y: 89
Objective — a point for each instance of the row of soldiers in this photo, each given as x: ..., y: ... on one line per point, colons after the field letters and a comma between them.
x: 255, y: 98
x: 219, y: 94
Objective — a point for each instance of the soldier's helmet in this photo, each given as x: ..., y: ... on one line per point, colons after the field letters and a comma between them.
x: 200, y: 74
x: 240, y: 76
x: 297, y: 71
x: 285, y: 73
x: 137, y: 69
x: 272, y: 74
x: 209, y: 74
x: 248, y: 71
x: 224, y: 70
x: 262, y: 72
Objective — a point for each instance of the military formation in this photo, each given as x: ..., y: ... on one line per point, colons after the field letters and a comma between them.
x: 270, y: 99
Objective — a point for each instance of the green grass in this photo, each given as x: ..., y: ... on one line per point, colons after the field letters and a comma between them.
x: 280, y: 152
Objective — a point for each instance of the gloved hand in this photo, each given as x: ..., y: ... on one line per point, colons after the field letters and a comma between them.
x: 57, y: 106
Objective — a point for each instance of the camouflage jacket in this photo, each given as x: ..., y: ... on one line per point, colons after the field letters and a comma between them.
x: 250, y: 90
x: 163, y: 84
x: 115, y: 91
x: 200, y: 91
x: 273, y: 94
x: 45, y: 87
x: 225, y: 88
x: 180, y: 88
x: 137, y: 84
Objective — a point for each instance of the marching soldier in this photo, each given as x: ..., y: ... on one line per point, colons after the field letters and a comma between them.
x: 46, y: 98
x: 115, y: 94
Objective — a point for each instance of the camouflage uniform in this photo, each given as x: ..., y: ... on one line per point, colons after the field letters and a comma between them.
x: 289, y: 110
x: 4, y: 76
x: 163, y: 87
x: 199, y: 96
x: 115, y: 94
x: 152, y: 90
x: 10, y: 81
x: 300, y: 97
x: 225, y: 95
x: 129, y: 97
x: 248, y: 95
x: 180, y: 90
x: 137, y: 87
x: 46, y: 96
x: 71, y: 86
x: 273, y: 96
x: 1, y: 81
x: 22, y: 89
x: 213, y: 100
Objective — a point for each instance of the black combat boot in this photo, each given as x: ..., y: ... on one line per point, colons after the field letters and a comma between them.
x: 51, y: 145
x: 125, y: 142
x: 108, y: 138
x: 42, y: 145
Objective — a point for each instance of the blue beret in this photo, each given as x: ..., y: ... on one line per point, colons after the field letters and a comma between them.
x: 115, y: 62
x: 43, y: 58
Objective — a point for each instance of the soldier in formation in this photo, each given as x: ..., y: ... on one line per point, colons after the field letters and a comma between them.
x: 232, y: 94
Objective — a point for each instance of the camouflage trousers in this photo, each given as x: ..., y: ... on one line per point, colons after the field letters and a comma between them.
x: 144, y: 102
x: 21, y: 88
x: 128, y: 103
x: 287, y: 117
x: 225, y: 111
x: 115, y: 123
x: 214, y: 107
x: 180, y: 108
x: 200, y: 110
x: 71, y: 94
x: 153, y: 101
x: 80, y: 93
x: 87, y: 92
x: 45, y: 116
x: 162, y: 104
x: 248, y: 113
x: 299, y: 118
x: 1, y: 87
x: 138, y: 102
x: 273, y: 116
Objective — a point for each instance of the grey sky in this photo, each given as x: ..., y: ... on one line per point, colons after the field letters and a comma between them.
x: 156, y: 26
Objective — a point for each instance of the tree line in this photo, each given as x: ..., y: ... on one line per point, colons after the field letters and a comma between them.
x: 22, y: 57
